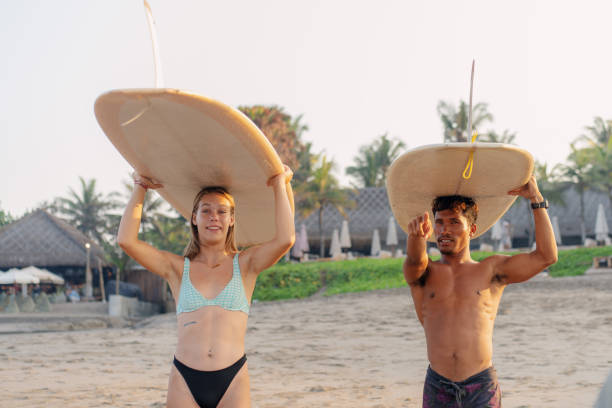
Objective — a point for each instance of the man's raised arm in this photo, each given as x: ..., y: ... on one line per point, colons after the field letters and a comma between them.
x: 522, y: 267
x: 419, y: 230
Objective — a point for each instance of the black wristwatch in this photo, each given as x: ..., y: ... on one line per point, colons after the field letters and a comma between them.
x: 543, y: 204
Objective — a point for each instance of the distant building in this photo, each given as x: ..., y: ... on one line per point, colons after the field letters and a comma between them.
x: 373, y: 211
x: 45, y: 241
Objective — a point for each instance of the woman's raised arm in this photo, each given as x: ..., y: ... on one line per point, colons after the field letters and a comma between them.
x: 267, y: 254
x: 153, y: 259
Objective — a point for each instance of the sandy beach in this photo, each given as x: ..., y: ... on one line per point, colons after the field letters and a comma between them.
x: 552, y: 348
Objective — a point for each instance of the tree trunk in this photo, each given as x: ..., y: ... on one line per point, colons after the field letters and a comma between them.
x: 322, y: 244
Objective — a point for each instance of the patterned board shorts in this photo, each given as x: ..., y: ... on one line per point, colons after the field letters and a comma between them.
x: 479, y: 391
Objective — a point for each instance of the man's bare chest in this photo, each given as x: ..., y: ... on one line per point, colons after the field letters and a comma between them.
x: 452, y: 289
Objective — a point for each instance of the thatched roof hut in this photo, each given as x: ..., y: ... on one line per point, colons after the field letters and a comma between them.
x: 45, y: 241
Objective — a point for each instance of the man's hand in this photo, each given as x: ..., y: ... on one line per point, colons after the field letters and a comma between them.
x: 420, y: 227
x: 530, y: 191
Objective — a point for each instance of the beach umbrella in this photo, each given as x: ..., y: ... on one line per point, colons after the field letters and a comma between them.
x: 556, y: 230
x: 16, y: 276
x: 391, y: 233
x: 335, y: 249
x: 298, y: 249
x: 601, y: 225
x: 304, y: 237
x: 375, y: 250
x: 345, y: 236
x: 44, y: 275
x: 497, y: 231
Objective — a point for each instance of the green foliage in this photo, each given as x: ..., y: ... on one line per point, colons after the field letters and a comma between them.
x: 373, y: 160
x: 597, y: 148
x: 280, y: 129
x: 86, y: 209
x: 455, y: 121
x: 364, y: 274
x: 285, y: 133
x: 574, y: 262
x: 492, y: 136
x: 549, y: 182
x: 5, y: 217
x: 169, y: 233
x: 288, y: 281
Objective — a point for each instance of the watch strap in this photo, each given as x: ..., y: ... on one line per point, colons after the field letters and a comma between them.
x: 543, y: 204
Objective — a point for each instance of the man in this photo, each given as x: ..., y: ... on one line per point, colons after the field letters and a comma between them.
x: 456, y: 298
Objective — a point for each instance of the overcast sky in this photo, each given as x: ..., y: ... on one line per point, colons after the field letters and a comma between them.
x: 354, y: 69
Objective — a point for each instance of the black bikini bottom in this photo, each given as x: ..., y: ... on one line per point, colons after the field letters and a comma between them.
x: 208, y: 387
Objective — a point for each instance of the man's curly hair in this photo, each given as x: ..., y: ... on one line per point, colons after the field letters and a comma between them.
x: 464, y: 205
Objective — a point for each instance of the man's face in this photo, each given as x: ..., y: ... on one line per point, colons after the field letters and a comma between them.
x: 452, y: 231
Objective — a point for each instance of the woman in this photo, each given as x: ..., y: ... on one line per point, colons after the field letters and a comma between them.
x: 212, y: 286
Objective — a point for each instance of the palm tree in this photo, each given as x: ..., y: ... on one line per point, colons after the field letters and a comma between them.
x: 455, y: 121
x: 373, y: 161
x: 5, y: 217
x: 280, y: 129
x: 170, y: 232
x: 322, y: 190
x: 150, y: 207
x: 494, y: 137
x: 87, y: 210
x: 599, y: 149
x: 365, y: 170
x: 306, y: 160
x: 599, y: 133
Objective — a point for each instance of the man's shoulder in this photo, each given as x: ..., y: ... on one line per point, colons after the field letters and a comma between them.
x: 494, y: 259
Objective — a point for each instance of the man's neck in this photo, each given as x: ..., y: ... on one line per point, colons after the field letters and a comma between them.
x: 458, y: 258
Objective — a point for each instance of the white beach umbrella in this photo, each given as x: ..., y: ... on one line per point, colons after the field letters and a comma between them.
x: 345, y: 236
x: 335, y: 249
x: 391, y: 232
x: 375, y: 250
x: 297, y: 251
x: 601, y: 225
x: 304, y: 238
x: 497, y: 231
x: 556, y: 230
x: 44, y: 275
x: 16, y: 276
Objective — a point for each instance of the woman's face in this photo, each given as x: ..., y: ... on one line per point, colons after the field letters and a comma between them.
x: 213, y: 218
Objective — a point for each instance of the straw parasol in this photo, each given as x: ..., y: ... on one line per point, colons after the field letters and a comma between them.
x: 601, y: 225
x: 304, y: 238
x: 375, y: 250
x: 556, y: 230
x: 44, y: 275
x: 497, y: 231
x: 301, y: 243
x: 391, y: 233
x: 335, y: 250
x: 345, y: 236
x: 14, y: 276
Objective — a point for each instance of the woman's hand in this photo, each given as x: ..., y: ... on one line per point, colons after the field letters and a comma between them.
x: 145, y: 182
x: 286, y: 176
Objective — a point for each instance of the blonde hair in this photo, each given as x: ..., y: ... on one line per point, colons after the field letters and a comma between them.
x: 193, y: 248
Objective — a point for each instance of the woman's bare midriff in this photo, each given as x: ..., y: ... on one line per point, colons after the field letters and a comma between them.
x: 210, y: 338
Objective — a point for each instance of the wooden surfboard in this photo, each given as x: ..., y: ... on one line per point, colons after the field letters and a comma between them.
x: 185, y: 142
x: 424, y: 173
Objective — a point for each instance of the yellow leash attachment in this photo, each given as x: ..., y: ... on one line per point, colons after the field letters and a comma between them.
x: 470, y: 164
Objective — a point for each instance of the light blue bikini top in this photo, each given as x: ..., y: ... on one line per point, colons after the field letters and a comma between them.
x: 232, y: 297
